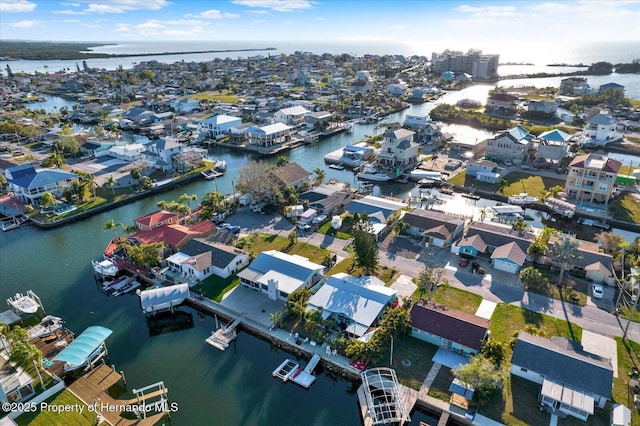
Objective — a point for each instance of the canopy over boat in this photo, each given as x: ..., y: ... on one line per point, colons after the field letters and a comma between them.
x: 164, y: 297
x: 79, y: 351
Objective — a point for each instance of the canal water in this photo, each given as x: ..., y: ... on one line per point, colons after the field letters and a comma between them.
x: 211, y: 387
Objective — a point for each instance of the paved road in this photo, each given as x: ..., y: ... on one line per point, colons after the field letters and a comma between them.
x: 496, y: 286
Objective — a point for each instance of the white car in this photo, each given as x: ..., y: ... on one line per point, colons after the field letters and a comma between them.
x: 507, y: 162
x: 597, y: 291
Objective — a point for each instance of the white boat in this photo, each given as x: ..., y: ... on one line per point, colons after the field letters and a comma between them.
x: 285, y: 370
x: 220, y: 165
x: 27, y: 303
x: 211, y: 174
x: 370, y: 173
x: 522, y: 198
x: 336, y: 166
x: 105, y: 268
x: 129, y: 287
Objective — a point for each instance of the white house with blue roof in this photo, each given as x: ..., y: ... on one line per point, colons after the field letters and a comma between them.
x: 218, y: 126
x: 159, y: 154
x: 279, y: 274
x: 355, y: 303
x: 29, y: 183
x: 601, y: 128
x: 379, y: 211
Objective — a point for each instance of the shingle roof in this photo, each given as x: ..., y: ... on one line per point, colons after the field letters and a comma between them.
x: 474, y: 241
x: 565, y: 362
x: 457, y: 326
x: 510, y: 251
x: 398, y: 134
x: 28, y: 179
x: 430, y: 219
x: 291, y: 173
x: 219, y: 255
x: 496, y: 236
x: 604, y: 119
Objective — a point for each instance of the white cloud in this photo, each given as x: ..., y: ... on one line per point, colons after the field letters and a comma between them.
x: 70, y: 12
x: 259, y: 21
x: 212, y: 14
x: 319, y: 18
x: 550, y: 7
x: 67, y: 4
x: 487, y: 10
x: 287, y: 22
x: 113, y: 6
x: 16, y: 6
x: 260, y: 12
x: 25, y: 24
x: 184, y: 28
x: 277, y: 5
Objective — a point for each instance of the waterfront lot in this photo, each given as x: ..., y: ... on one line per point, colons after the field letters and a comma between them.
x: 51, y: 418
x: 517, y: 182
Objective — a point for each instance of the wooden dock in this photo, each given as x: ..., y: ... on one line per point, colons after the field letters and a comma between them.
x: 92, y: 388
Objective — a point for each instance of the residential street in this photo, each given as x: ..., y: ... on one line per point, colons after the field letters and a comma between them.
x: 496, y: 286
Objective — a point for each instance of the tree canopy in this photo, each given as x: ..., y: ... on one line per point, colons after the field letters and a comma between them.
x: 365, y: 245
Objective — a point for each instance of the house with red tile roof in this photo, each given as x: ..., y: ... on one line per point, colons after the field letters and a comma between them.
x: 153, y: 220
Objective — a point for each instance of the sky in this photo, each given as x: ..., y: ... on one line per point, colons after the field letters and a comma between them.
x: 453, y: 23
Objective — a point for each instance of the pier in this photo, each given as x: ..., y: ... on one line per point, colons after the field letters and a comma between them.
x: 222, y: 337
x: 93, y: 389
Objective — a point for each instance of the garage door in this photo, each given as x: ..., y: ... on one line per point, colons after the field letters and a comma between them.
x: 505, y: 266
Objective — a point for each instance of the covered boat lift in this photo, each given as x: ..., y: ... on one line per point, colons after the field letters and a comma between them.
x: 163, y: 298
x: 85, y: 349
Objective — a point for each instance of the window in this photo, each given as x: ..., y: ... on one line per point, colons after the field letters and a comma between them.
x: 524, y: 370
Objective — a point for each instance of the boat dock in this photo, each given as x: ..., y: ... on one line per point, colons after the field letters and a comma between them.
x: 224, y: 335
x: 291, y: 370
x: 92, y: 388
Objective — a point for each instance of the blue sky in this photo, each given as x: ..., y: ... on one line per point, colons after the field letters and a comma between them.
x: 455, y: 23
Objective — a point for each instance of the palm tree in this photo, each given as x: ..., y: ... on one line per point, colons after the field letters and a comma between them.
x: 129, y: 229
x: 92, y: 184
x: 293, y: 237
x: 110, y: 182
x: 281, y: 161
x: 320, y: 175
x: 565, y: 253
x: 25, y: 353
x: 502, y: 184
x: 275, y: 318
x: 188, y: 198
x: 111, y: 224
x: 401, y: 227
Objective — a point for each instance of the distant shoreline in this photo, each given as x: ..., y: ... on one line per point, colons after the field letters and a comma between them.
x: 39, y: 51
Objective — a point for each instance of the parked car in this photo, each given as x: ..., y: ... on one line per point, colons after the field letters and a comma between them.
x: 508, y: 163
x: 463, y: 262
x: 597, y: 290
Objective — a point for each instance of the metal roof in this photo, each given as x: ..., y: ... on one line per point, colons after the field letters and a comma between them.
x: 84, y: 345
x: 163, y: 295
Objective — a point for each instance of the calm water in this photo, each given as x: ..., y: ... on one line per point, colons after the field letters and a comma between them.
x: 211, y: 387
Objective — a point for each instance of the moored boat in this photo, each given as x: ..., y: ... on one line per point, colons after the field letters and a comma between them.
x: 371, y: 173
x: 27, y: 303
x: 522, y: 198
x: 105, y: 268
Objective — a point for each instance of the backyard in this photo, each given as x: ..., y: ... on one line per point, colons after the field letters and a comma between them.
x: 52, y: 418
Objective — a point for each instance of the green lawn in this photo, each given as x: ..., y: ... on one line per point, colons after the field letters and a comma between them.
x: 626, y: 208
x: 419, y: 355
x: 454, y: 298
x: 326, y: 229
x: 215, y: 287
x: 628, y: 352
x: 517, y: 182
x: 51, y: 418
x: 222, y: 96
x: 388, y: 275
x: 258, y: 243
x: 509, y: 319
x: 517, y: 405
x: 440, y: 387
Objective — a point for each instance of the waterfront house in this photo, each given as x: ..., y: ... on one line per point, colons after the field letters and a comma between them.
x: 361, y: 86
x: 502, y: 103
x: 270, y: 135
x: 318, y: 120
x: 155, y: 219
x: 512, y: 145
x: 572, y: 86
x: 218, y: 126
x: 592, y: 262
x: 397, y: 89
x: 436, y: 228
x: 454, y: 330
x: 28, y: 183
x: 355, y: 303
x: 542, y: 109
x: 200, y: 258
x: 398, y: 150
x: 416, y: 122
x: 185, y: 105
x: 553, y: 146
x: 291, y: 174
x: 474, y: 166
x: 238, y: 134
x: 574, y: 382
x: 378, y: 210
x: 129, y: 153
x: 327, y: 199
x: 601, y: 128
x: 292, y: 116
x: 279, y: 274
x: 159, y: 154
x: 611, y: 86
x: 15, y: 384
x: 591, y: 178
